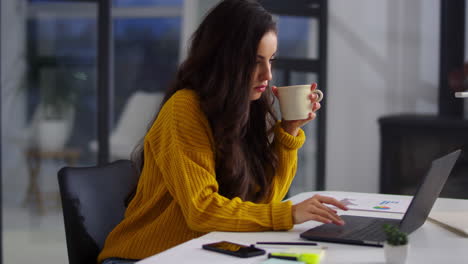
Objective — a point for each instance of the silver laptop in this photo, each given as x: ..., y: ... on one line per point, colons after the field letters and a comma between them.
x: 368, y: 231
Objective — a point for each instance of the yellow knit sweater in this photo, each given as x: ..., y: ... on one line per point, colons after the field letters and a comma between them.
x: 177, y: 196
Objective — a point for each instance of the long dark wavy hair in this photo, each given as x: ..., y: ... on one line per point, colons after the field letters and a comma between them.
x: 219, y: 68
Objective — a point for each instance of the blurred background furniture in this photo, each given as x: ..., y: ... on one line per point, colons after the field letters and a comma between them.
x: 134, y: 121
x: 408, y: 145
x: 93, y: 200
x: 34, y: 158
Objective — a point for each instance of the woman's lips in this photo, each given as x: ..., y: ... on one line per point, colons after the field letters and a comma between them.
x: 260, y: 88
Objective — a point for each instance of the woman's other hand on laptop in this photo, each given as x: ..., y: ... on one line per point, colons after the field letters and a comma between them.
x: 314, y: 209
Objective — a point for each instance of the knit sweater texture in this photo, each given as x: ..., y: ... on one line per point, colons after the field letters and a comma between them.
x: 177, y: 195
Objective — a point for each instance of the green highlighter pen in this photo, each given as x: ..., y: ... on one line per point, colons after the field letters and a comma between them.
x: 308, y: 258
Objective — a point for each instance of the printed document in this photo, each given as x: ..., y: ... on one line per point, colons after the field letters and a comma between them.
x: 368, y: 203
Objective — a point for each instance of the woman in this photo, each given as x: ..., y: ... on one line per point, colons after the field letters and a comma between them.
x: 216, y: 158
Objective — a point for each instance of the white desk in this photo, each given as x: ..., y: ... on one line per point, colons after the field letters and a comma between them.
x: 429, y: 244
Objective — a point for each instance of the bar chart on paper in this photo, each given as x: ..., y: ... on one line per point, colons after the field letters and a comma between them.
x: 367, y: 203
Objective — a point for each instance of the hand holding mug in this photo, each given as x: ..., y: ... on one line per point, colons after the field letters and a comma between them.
x: 298, y: 105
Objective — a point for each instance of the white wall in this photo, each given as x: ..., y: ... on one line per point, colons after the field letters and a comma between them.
x: 383, y: 59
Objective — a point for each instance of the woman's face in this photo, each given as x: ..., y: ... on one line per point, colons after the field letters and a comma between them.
x: 265, y: 55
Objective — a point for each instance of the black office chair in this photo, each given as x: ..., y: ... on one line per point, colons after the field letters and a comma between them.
x: 93, y: 201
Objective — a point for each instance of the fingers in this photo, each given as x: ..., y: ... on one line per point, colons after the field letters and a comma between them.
x: 312, y: 116
x: 315, y: 209
x: 312, y: 209
x: 328, y: 213
x: 319, y: 212
x: 330, y: 200
x: 308, y: 210
x: 274, y: 89
x: 316, y: 107
x: 314, y: 97
x: 313, y: 86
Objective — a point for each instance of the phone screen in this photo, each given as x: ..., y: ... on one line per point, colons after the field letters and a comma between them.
x: 234, y: 249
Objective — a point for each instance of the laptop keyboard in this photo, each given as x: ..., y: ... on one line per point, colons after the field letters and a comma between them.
x: 372, y: 230
x: 357, y: 230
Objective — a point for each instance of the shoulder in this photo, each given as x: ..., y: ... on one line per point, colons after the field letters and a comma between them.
x: 182, y: 120
x: 185, y: 97
x: 183, y: 105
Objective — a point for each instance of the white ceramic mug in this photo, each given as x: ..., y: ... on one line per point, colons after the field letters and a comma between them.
x: 294, y: 101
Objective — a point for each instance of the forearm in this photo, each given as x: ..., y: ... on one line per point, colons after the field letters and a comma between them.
x: 291, y: 129
x: 217, y: 213
x: 286, y: 148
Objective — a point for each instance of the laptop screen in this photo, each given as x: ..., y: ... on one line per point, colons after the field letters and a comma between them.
x: 428, y: 192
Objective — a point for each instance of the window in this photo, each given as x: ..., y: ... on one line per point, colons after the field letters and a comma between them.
x: 60, y: 57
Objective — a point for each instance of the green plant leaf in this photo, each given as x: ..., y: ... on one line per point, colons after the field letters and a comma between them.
x: 395, y: 237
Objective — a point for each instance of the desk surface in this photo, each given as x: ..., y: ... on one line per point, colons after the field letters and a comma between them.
x: 429, y: 244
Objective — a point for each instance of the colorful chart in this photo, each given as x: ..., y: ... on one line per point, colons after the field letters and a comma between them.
x: 388, y: 202
x: 382, y: 207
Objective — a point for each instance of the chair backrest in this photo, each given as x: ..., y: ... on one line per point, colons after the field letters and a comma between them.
x: 93, y: 201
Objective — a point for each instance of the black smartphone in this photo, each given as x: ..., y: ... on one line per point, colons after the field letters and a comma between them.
x: 238, y: 250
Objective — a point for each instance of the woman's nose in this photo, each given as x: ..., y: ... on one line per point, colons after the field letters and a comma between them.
x: 266, y: 73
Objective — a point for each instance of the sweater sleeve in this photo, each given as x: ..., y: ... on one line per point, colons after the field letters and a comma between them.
x: 186, y: 159
x: 286, y: 147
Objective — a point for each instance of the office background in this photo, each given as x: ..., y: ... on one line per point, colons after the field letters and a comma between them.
x: 383, y: 58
